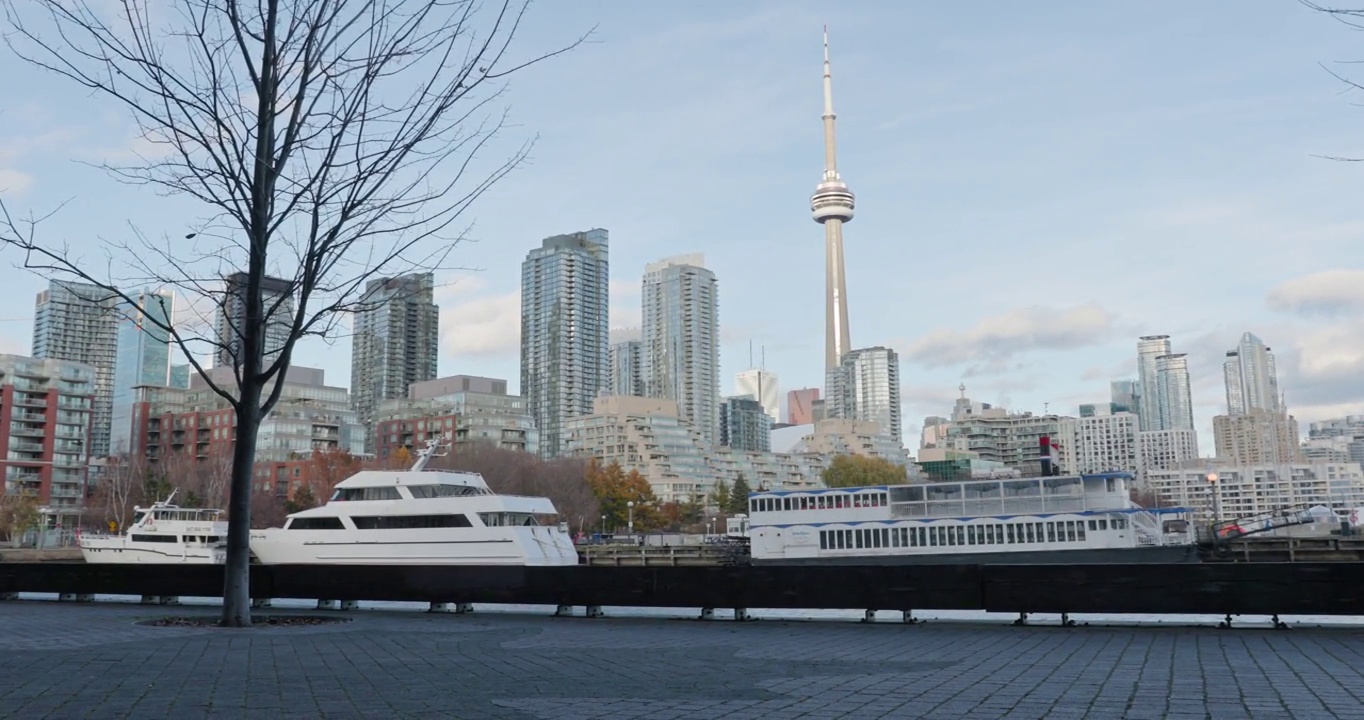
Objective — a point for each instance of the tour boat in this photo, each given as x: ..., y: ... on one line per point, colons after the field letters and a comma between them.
x: 162, y: 533
x: 418, y: 517
x: 1072, y: 519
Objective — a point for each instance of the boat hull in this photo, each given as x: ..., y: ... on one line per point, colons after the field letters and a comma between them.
x: 117, y: 552
x: 539, y: 546
x: 1161, y: 554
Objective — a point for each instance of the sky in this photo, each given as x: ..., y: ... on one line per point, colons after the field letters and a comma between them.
x: 1038, y: 184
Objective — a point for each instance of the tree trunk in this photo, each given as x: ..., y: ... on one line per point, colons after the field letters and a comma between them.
x: 237, y: 571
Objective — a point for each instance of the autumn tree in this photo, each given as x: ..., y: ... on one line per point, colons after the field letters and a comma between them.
x: 738, y: 496
x: 20, y: 512
x: 118, y: 491
x: 324, y: 470
x: 616, y: 489
x: 326, y: 142
x: 862, y: 471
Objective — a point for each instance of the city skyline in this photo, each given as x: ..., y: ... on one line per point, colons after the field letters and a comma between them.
x: 958, y: 190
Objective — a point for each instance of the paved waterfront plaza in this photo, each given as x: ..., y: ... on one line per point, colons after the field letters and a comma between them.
x: 92, y: 661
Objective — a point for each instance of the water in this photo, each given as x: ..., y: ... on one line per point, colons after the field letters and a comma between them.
x: 722, y: 614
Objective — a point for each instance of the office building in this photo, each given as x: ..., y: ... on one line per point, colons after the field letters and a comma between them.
x: 396, y: 342
x: 1257, y: 436
x: 800, y: 406
x: 627, y: 368
x: 1125, y: 396
x: 1251, y: 378
x: 462, y: 409
x: 681, y: 340
x: 1099, y: 443
x: 869, y: 389
x: 179, y: 375
x: 1225, y: 491
x: 1165, y: 449
x: 565, y: 324
x: 144, y: 355
x: 762, y: 385
x: 78, y: 323
x: 277, y: 309
x: 745, y: 424
x: 47, y: 406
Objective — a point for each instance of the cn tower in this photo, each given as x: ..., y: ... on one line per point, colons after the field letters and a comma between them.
x: 832, y: 205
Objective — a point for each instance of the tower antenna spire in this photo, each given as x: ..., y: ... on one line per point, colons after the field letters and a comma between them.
x: 832, y: 206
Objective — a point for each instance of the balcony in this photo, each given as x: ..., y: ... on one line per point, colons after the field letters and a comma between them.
x: 26, y: 400
x: 27, y: 416
x: 26, y: 446
x: 26, y: 430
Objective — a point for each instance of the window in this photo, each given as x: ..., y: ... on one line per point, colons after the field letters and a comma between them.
x: 409, y: 522
x: 507, y: 519
x: 1051, y: 532
x: 1009, y: 530
x: 823, y: 539
x: 904, y: 537
x: 1103, y: 524
x: 315, y: 523
x: 155, y: 538
x: 1080, y: 531
x: 859, y: 538
x: 422, y: 492
x: 1028, y: 528
x: 386, y: 492
x: 1093, y: 524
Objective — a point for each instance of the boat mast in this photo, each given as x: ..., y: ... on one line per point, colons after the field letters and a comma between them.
x: 427, y: 453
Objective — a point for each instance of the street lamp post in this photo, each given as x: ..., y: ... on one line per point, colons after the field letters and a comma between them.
x: 603, y: 526
x: 630, y: 524
x: 1216, y: 498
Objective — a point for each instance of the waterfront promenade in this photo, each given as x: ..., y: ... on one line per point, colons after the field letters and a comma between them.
x: 92, y: 661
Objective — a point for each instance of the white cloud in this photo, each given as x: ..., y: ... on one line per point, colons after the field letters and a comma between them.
x: 475, y: 323
x: 995, y: 339
x: 1330, y: 292
x: 13, y: 181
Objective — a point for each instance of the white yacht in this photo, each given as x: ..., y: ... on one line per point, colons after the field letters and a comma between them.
x: 418, y: 517
x: 1075, y: 519
x: 162, y: 533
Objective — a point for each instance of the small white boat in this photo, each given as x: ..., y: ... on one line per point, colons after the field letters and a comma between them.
x: 162, y: 534
x: 418, y: 517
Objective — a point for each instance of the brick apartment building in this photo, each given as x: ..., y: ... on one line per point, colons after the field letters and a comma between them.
x: 45, y: 410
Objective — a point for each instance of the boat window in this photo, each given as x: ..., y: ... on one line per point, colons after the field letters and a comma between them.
x: 155, y: 538
x: 1103, y: 523
x: 1028, y: 528
x: 1051, y: 532
x: 895, y: 537
x: 1093, y: 524
x: 212, y: 539
x: 1070, y: 531
x: 409, y: 522
x: 1119, y: 523
x: 422, y: 492
x: 904, y: 537
x: 823, y: 540
x: 137, y: 518
x: 786, y: 503
x: 315, y: 523
x: 385, y: 492
x: 507, y: 519
x: 1080, y: 531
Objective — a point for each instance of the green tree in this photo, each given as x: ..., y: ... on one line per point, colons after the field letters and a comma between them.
x: 720, y: 497
x: 862, y: 471
x: 302, y: 499
x: 738, y: 497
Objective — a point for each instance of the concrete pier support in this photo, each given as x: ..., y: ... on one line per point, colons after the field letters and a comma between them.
x: 9, y: 596
x: 707, y: 614
x: 563, y: 611
x: 326, y: 604
x: 741, y: 615
x: 75, y: 597
x: 907, y: 617
x: 350, y: 604
x: 868, y: 616
x: 259, y: 603
x: 593, y: 611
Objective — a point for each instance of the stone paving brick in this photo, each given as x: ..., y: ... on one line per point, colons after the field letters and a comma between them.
x: 61, y: 660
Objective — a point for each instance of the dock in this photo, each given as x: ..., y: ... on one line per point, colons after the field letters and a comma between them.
x: 1287, y: 549
x: 664, y: 555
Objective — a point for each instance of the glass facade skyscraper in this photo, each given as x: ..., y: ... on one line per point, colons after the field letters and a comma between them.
x: 1175, y: 393
x: 869, y: 389
x: 143, y: 359
x: 397, y: 337
x: 77, y: 322
x: 627, y: 373
x: 565, y: 330
x: 681, y: 340
x: 1251, y: 377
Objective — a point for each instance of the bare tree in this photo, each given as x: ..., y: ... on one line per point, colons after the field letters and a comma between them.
x: 563, y: 480
x: 330, y: 142
x: 1352, y: 18
x: 119, y: 490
